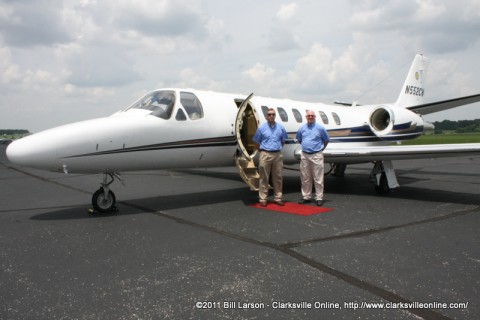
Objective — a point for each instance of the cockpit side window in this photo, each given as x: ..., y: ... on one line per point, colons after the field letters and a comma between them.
x: 159, y: 102
x: 192, y: 105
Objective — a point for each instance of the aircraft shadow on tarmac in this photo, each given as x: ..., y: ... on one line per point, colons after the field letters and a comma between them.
x: 155, y: 204
x: 358, y: 184
x: 353, y: 184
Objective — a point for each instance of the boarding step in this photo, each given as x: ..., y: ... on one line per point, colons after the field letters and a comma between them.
x: 248, y: 171
x: 251, y: 172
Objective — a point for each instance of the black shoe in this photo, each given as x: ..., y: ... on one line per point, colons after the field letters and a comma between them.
x: 303, y: 201
x: 320, y: 202
x: 280, y: 203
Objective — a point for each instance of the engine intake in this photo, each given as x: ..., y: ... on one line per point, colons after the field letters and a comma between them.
x: 381, y: 121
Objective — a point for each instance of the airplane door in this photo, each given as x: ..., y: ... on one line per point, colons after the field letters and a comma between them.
x: 246, y: 125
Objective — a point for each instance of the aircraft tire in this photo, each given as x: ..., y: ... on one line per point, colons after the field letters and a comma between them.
x: 102, y: 204
x: 383, y: 187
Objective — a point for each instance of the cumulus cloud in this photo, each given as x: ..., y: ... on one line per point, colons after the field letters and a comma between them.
x: 314, y: 67
x: 23, y: 24
x: 281, y: 35
x: 101, y: 67
x: 316, y: 72
x: 428, y: 10
x: 160, y: 18
x: 430, y: 25
x: 10, y: 72
x: 286, y: 12
x: 88, y: 55
x: 16, y: 78
x: 191, y: 79
x: 260, y: 73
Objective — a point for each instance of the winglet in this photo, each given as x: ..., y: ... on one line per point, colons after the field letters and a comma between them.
x: 413, y: 89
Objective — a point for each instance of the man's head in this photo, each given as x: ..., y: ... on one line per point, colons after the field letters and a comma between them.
x: 310, y: 116
x: 271, y: 115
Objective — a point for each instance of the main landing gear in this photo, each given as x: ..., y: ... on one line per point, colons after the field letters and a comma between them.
x: 103, y: 200
x: 383, y: 177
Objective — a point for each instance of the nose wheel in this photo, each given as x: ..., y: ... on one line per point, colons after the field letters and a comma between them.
x: 103, y: 200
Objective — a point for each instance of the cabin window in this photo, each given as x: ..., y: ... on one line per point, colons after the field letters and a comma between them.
x: 297, y: 115
x: 265, y: 111
x: 283, y: 114
x: 159, y: 102
x: 192, y: 105
x: 323, y: 116
x: 336, y: 118
x: 180, y: 115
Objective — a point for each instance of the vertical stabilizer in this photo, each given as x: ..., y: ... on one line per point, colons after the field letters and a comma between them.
x: 413, y: 89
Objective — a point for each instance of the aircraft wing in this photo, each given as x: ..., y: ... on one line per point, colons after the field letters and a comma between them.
x: 342, y: 154
x: 432, y: 107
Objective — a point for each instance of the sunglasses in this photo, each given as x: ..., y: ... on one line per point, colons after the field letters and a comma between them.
x: 270, y: 114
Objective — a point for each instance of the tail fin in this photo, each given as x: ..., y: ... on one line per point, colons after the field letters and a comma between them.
x: 414, y: 87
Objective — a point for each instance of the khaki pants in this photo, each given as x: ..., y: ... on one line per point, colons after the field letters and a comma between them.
x: 311, y: 172
x: 270, y: 163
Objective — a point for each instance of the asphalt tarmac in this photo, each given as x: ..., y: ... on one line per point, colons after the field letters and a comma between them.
x: 186, y: 245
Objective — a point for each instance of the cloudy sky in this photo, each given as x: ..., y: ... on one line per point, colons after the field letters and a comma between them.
x: 64, y: 61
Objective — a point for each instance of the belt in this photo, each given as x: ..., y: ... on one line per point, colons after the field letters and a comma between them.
x: 311, y: 152
x: 272, y: 151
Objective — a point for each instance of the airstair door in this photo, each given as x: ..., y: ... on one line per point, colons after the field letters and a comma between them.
x: 246, y: 125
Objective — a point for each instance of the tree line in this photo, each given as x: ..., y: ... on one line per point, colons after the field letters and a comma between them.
x: 12, y: 132
x: 461, y: 126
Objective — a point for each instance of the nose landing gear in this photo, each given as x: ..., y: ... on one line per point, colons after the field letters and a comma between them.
x: 103, y: 200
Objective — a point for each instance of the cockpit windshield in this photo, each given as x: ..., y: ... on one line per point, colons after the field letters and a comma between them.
x: 159, y: 102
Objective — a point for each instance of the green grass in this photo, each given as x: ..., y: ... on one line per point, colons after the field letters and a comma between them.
x: 445, y: 138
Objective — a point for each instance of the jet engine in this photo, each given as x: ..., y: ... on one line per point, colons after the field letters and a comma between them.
x: 392, y: 123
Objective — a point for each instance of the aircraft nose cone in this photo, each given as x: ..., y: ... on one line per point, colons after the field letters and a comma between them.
x: 17, y: 152
x: 30, y: 152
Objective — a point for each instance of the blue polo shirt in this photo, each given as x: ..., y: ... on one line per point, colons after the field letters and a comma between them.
x: 270, y: 138
x: 312, y: 137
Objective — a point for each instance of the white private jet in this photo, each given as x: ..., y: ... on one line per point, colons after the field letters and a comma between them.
x: 185, y: 128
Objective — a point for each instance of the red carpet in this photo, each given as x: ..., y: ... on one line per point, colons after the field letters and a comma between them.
x: 293, y: 208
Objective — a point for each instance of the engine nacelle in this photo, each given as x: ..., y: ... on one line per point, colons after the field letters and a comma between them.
x: 393, y: 123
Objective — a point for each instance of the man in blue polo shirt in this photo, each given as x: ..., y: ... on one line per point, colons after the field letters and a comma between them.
x: 269, y: 139
x: 314, y: 139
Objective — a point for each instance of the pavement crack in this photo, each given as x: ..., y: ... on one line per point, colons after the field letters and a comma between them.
x: 351, y: 280
x: 289, y: 248
x: 47, y: 180
x: 364, y: 233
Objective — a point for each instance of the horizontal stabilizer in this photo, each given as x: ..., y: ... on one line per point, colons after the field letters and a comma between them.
x: 433, y: 107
